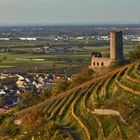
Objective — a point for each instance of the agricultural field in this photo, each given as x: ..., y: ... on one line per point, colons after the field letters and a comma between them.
x: 17, y: 43
x: 25, y: 56
x: 106, y: 107
x: 24, y: 62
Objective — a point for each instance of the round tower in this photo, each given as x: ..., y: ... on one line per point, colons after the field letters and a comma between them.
x: 116, y: 45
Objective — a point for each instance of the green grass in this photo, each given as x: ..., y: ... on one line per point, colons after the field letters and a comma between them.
x: 2, y: 66
x: 21, y: 43
x: 96, y: 48
x: 130, y: 84
x: 64, y: 110
x: 87, y: 118
x: 133, y: 73
x: 55, y: 112
x: 108, y: 123
x: 9, y: 60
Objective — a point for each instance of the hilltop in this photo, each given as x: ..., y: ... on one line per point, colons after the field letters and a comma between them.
x: 105, y: 108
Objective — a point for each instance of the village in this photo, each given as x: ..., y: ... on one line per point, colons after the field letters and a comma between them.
x: 14, y: 86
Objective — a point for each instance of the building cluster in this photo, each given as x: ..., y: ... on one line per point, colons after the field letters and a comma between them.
x: 13, y: 91
x: 51, y: 38
x: 49, y: 49
x: 67, y: 37
x: 62, y: 48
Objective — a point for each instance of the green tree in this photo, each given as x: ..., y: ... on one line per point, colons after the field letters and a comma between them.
x: 85, y: 75
x: 4, y: 58
x: 135, y: 54
x: 61, y: 85
x: 116, y: 64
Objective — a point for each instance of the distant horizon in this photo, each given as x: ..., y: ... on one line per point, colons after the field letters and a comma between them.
x: 63, y: 12
x: 69, y: 24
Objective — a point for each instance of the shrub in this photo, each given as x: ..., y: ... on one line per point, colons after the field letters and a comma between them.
x: 60, y: 86
x: 85, y: 75
x: 116, y: 64
x: 29, y: 100
x: 135, y: 54
x: 14, y: 130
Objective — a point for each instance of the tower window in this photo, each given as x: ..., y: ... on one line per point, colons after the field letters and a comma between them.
x: 102, y: 64
x: 97, y: 63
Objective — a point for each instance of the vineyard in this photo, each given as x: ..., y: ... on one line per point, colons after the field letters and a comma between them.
x: 106, y: 108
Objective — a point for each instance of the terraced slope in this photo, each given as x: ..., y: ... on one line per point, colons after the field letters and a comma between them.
x: 106, y: 108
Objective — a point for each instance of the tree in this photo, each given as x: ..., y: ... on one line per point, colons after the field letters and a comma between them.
x: 61, y: 85
x: 85, y: 75
x: 4, y: 58
x: 28, y: 100
x: 116, y: 64
x: 135, y: 54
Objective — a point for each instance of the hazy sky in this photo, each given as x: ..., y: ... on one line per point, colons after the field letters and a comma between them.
x: 69, y: 11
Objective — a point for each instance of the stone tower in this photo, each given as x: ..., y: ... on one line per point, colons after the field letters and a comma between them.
x: 116, y: 46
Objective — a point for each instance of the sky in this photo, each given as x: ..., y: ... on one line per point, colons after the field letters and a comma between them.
x: 49, y: 12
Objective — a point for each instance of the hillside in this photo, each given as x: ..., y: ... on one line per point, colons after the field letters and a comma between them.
x: 106, y: 108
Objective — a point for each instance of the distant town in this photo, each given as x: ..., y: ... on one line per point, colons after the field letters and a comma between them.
x: 13, y: 87
x: 38, y: 33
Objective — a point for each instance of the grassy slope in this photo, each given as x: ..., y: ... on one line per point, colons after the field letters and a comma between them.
x: 76, y: 108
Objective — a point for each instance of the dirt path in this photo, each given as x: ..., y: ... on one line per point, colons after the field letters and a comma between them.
x: 108, y: 112
x: 2, y: 111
